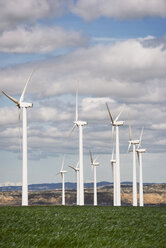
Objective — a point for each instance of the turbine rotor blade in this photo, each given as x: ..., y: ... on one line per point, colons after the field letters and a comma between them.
x: 140, y: 139
x: 129, y: 147
x: 112, y: 157
x: 130, y: 138
x: 22, y: 96
x: 77, y: 103
x: 110, y: 114
x: 72, y: 130
x: 91, y: 157
x: 11, y: 98
x: 63, y: 162
x: 112, y: 168
x: 72, y: 167
x: 77, y: 166
x: 138, y: 158
x: 119, y: 115
x: 95, y: 159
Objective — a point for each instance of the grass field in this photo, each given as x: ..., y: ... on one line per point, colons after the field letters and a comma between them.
x: 88, y: 226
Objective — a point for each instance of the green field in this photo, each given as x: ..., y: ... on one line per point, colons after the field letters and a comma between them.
x: 87, y: 226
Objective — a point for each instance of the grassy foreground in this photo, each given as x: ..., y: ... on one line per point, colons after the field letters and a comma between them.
x: 88, y: 226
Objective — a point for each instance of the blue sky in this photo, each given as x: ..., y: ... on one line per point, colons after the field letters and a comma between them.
x: 117, y: 52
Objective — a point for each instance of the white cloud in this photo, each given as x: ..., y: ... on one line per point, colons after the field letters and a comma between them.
x: 37, y: 39
x: 49, y: 114
x: 159, y: 126
x: 127, y: 9
x: 125, y: 73
x: 125, y: 70
x: 14, y: 12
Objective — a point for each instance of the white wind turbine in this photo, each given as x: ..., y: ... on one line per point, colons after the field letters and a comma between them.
x: 134, y: 143
x: 24, y: 105
x: 62, y: 173
x: 80, y: 125
x: 76, y: 169
x: 139, y: 151
x: 94, y: 164
x: 116, y: 123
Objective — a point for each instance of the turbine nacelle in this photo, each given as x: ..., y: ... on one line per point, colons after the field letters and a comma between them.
x: 118, y: 123
x: 134, y: 142
x: 80, y: 123
x: 95, y: 164
x: 25, y: 105
x: 141, y: 150
x: 63, y: 171
x: 113, y: 161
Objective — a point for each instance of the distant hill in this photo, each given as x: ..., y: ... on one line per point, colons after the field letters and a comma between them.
x: 51, y: 186
x: 56, y: 186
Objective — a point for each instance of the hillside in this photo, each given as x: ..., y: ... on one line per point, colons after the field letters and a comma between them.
x: 154, y: 194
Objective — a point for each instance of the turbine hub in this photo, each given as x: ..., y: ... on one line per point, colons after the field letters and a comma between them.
x: 80, y: 123
x: 141, y: 150
x: 26, y: 105
x: 118, y: 123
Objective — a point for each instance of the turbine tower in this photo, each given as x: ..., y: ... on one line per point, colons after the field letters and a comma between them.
x: 134, y: 143
x: 115, y: 123
x: 139, y: 151
x: 94, y: 164
x: 80, y: 125
x: 23, y: 105
x: 76, y: 169
x: 113, y: 165
x: 62, y: 172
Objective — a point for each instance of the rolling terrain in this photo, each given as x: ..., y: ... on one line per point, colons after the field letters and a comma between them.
x: 154, y: 194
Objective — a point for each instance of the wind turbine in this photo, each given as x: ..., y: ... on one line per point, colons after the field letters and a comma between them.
x: 76, y: 169
x: 134, y: 143
x: 80, y: 125
x: 139, y: 151
x: 115, y: 123
x: 94, y: 164
x: 24, y: 105
x: 62, y: 173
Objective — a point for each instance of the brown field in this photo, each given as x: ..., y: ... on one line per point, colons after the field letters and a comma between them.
x: 154, y: 194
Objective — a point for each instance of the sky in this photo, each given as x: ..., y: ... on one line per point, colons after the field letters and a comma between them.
x: 116, y: 52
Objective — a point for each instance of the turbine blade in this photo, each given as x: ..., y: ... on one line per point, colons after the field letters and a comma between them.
x: 112, y: 170
x: 11, y: 98
x: 110, y: 114
x: 113, y: 128
x: 77, y: 103
x: 72, y: 130
x: 63, y: 162
x: 129, y: 147
x: 112, y: 157
x: 95, y: 159
x: 77, y: 166
x: 72, y: 167
x: 119, y: 115
x: 138, y: 158
x: 91, y: 157
x: 22, y: 96
x: 58, y: 173
x: 130, y: 138
x: 129, y: 132
x: 140, y: 139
